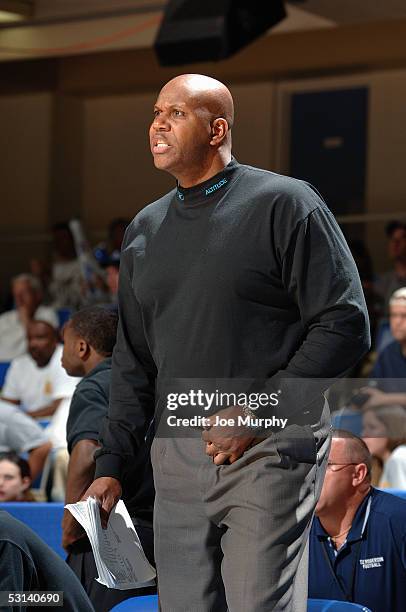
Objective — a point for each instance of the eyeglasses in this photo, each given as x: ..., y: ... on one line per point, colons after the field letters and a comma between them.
x: 330, y: 466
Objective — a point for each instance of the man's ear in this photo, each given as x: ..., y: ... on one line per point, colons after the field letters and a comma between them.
x: 361, y: 473
x: 219, y: 131
x: 83, y: 349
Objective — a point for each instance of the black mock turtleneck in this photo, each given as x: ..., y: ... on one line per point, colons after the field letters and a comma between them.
x: 242, y: 276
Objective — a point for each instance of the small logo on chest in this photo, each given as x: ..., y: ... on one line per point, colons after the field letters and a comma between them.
x: 216, y: 186
x: 370, y: 563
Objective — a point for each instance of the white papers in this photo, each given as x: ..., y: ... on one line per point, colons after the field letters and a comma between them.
x: 118, y: 554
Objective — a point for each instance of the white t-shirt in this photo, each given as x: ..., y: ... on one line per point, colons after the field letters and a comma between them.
x: 56, y: 430
x: 394, y: 471
x: 37, y: 387
x: 13, y: 340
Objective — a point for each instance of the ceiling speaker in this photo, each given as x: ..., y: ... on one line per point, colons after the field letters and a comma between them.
x: 210, y: 30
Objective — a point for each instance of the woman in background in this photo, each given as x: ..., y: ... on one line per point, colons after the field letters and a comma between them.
x: 15, y: 478
x: 384, y: 431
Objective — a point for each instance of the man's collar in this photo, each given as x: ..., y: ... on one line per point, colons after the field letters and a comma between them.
x: 102, y: 365
x: 359, y: 522
x: 210, y: 189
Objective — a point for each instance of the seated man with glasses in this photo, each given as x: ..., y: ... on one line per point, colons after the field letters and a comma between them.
x: 358, y: 538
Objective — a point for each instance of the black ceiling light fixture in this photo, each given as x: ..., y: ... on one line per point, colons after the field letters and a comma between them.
x: 210, y: 30
x: 15, y: 10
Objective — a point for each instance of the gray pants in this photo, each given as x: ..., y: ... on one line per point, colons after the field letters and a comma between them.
x: 231, y: 537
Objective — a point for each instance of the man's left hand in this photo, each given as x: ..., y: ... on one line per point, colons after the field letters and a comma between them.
x: 229, y: 441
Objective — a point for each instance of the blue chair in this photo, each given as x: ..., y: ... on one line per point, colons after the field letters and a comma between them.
x: 63, y: 316
x: 398, y: 492
x: 43, y: 518
x: 350, y: 421
x: 329, y: 605
x: 147, y: 603
x: 4, y: 366
x: 150, y: 604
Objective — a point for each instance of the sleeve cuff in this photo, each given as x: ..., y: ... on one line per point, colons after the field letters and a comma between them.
x: 109, y: 465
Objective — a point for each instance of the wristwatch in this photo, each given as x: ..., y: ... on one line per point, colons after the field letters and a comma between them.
x: 247, y: 412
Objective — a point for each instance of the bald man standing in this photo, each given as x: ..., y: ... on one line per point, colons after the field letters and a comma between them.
x: 238, y: 274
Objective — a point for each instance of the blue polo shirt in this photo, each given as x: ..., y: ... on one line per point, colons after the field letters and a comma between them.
x: 391, y: 365
x: 371, y: 564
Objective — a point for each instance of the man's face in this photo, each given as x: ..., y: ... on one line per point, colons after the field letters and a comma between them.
x: 70, y: 360
x: 397, y: 318
x: 180, y: 133
x: 338, y: 482
x: 42, y: 342
x: 25, y: 296
x: 397, y: 244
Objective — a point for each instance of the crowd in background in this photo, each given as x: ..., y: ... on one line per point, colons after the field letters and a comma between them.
x: 37, y: 391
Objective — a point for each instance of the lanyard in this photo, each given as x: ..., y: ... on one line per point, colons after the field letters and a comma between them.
x: 349, y: 595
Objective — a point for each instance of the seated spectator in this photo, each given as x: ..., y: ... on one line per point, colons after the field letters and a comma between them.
x: 112, y: 268
x: 36, y: 381
x: 15, y: 478
x: 21, y: 434
x: 358, y: 538
x: 28, y: 564
x: 364, y: 265
x: 391, y: 363
x: 74, y: 279
x: 27, y: 295
x: 112, y: 248
x: 65, y: 288
x: 89, y: 340
x: 395, y: 278
x: 38, y: 384
x: 384, y: 432
x: 389, y: 371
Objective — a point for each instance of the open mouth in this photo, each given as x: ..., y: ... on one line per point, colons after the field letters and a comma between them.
x: 160, y: 146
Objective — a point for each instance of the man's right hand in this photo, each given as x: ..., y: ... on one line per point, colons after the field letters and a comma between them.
x: 107, y: 492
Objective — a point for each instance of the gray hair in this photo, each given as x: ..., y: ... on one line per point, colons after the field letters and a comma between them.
x: 398, y: 297
x: 33, y: 281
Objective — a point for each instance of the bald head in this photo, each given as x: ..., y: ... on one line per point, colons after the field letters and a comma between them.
x: 352, y: 447
x: 347, y: 478
x: 204, y: 92
x: 190, y: 136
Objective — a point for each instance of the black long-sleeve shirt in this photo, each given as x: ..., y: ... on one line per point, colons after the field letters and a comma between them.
x: 243, y: 276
